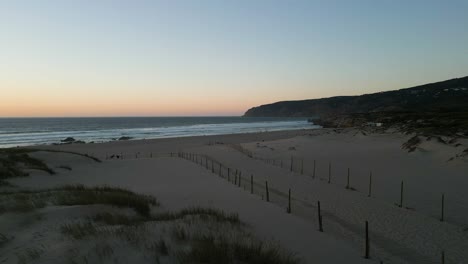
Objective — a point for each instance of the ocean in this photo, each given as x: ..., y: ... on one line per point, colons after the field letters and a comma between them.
x: 36, y: 131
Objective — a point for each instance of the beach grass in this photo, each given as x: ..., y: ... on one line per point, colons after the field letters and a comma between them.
x: 79, y: 230
x: 211, y: 249
x: 203, y: 213
x: 27, y: 200
x: 13, y: 163
x: 190, y: 235
x: 31, y: 150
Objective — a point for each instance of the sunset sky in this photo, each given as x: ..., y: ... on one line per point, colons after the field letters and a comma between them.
x: 201, y: 57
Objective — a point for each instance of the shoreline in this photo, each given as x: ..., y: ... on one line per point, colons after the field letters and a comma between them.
x: 13, y: 136
x: 205, y: 139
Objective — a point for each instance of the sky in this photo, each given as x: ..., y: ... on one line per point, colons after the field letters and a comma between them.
x: 202, y: 57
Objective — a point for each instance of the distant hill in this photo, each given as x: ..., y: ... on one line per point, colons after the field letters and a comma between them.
x: 446, y: 96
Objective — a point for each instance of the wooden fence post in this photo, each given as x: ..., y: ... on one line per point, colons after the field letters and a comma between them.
x: 229, y: 176
x: 240, y: 177
x: 319, y: 217
x: 367, y: 240
x: 212, y: 166
x: 329, y: 172
x: 443, y: 257
x: 401, y: 195
x: 288, y: 210
x: 267, y: 192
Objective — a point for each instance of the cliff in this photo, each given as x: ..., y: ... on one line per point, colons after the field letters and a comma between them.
x: 446, y: 96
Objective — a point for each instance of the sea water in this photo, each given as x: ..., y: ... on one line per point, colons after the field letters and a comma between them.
x: 35, y: 131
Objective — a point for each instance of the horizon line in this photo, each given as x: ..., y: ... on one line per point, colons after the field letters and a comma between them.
x: 142, y: 116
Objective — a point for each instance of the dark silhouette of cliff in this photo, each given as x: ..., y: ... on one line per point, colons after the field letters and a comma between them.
x: 445, y: 96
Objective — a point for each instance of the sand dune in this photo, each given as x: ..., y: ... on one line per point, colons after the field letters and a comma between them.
x: 412, y: 234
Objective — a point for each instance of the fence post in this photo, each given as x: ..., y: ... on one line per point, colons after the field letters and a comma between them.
x: 329, y: 172
x: 370, y: 185
x: 251, y: 183
x: 401, y: 195
x: 289, y: 202
x: 367, y: 240
x: 443, y: 257
x: 240, y: 177
x: 220, y: 170
x: 229, y: 172
x: 212, y: 166
x: 442, y: 209
x: 267, y: 193
x: 319, y: 217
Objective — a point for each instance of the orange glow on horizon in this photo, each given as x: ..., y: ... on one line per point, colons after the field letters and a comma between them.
x: 70, y: 107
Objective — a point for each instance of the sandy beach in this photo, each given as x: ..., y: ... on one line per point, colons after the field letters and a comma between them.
x: 233, y: 132
x: 205, y: 171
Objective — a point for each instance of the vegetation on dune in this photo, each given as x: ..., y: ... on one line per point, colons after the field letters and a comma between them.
x: 20, y: 201
x: 450, y: 123
x: 117, y: 219
x: 211, y: 249
x: 199, y: 240
x: 79, y: 230
x: 31, y: 150
x: 191, y: 235
x: 65, y: 167
x: 203, y: 213
x: 13, y: 164
x: 216, y: 215
x: 81, y: 195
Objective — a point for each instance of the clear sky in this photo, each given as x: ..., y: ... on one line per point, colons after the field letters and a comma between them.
x: 201, y: 57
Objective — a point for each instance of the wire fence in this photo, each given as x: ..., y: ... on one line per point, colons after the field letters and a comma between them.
x: 284, y: 198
